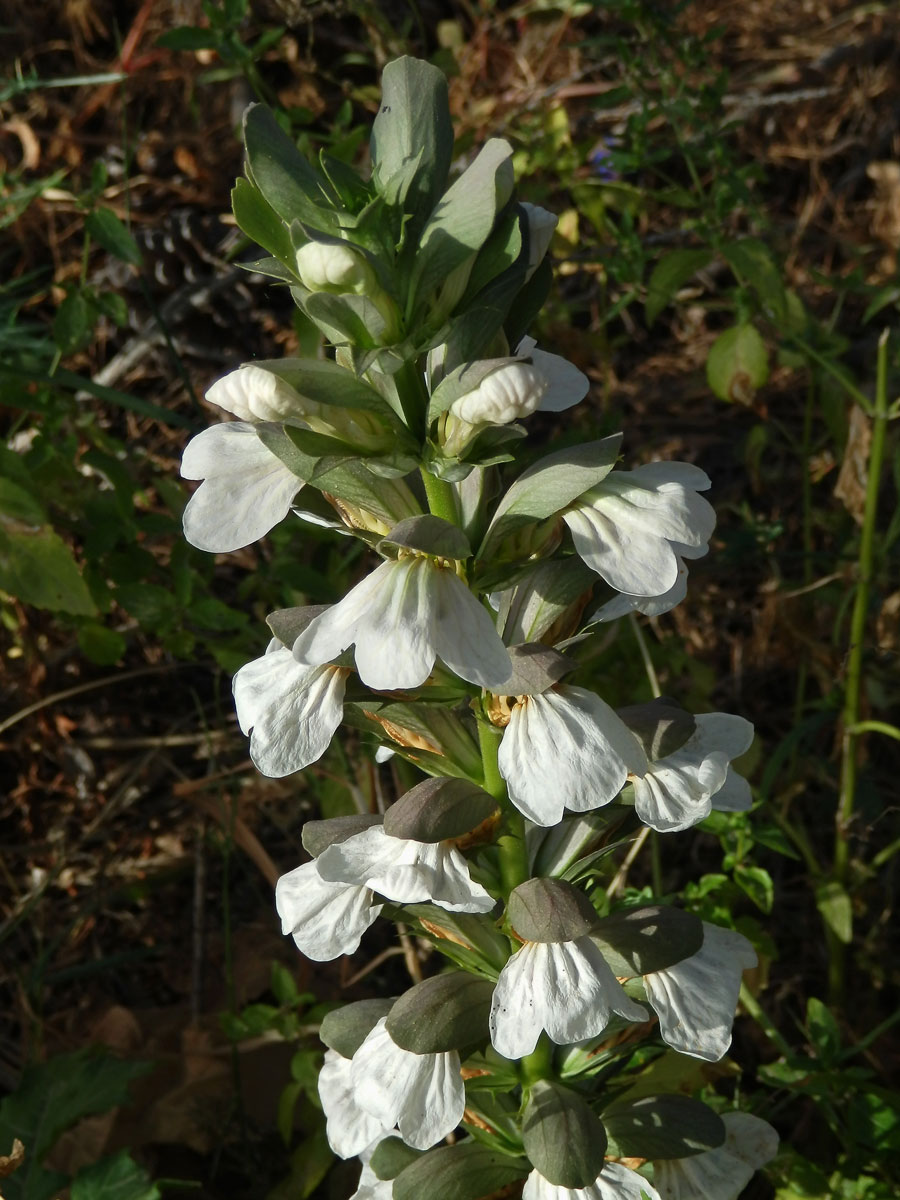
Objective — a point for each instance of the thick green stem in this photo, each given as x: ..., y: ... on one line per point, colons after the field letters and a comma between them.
x: 441, y: 497
x: 511, y: 843
x: 853, y: 686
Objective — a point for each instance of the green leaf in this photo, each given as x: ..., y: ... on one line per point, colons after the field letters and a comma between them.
x: 108, y: 231
x: 189, y: 37
x: 150, y: 604
x: 464, y: 218
x: 115, y: 1178
x: 562, y: 1136
x: 757, y: 883
x: 639, y: 941
x: 310, y: 1163
x: 822, y: 1029
x: 35, y: 563
x: 752, y: 262
x: 412, y: 138
x: 72, y: 323
x: 280, y: 172
x: 390, y: 500
x: 101, y: 645
x: 284, y: 986
x: 738, y: 364
x: 663, y: 1127
x: 671, y: 273
x: 833, y: 903
x: 466, y: 1171
x: 548, y: 487
x: 256, y: 217
x: 445, y: 1012
x: 50, y: 1098
x: 347, y: 319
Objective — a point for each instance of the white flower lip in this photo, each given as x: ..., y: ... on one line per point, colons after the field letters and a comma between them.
x: 402, y: 617
x: 325, y: 919
x: 695, y: 999
x: 680, y: 790
x: 566, y: 748
x: 349, y: 1128
x: 635, y: 527
x: 723, y: 1173
x: 615, y: 1182
x: 293, y: 710
x: 252, y: 394
x: 566, y: 989
x: 246, y: 491
x: 422, y: 1094
x: 405, y: 871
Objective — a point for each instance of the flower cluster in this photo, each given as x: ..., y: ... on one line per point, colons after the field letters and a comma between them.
x: 455, y: 652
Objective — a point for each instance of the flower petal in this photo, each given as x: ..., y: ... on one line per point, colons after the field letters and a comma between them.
x: 246, y: 489
x: 465, y: 637
x: 615, y: 1182
x: 566, y: 384
x: 566, y: 748
x: 695, y: 999
x: 325, y: 919
x: 723, y: 1173
x: 566, y: 989
x: 348, y: 1127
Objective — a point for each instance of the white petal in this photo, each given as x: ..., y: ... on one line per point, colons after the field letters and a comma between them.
x: 254, y: 394
x: 465, y: 637
x: 293, y: 710
x: 566, y: 384
x: 650, y: 606
x: 348, y: 1127
x: 566, y: 749
x: 734, y: 794
x: 423, y: 1094
x: 629, y: 557
x: 566, y: 989
x: 615, y: 1182
x: 695, y: 999
x: 325, y: 919
x: 405, y: 871
x: 246, y: 491
x: 723, y: 731
x: 723, y: 1173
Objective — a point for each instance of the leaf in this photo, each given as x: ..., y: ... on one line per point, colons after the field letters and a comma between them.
x: 115, y: 1178
x: 466, y: 1171
x: 822, y: 1029
x: 72, y: 323
x: 280, y: 172
x: 752, y: 262
x: 463, y: 219
x: 101, y: 645
x: 259, y: 220
x: 563, y: 1137
x: 50, y: 1098
x: 671, y: 273
x: 189, y: 37
x: 347, y: 319
x: 738, y: 364
x: 663, y: 1127
x: 833, y: 903
x: 639, y: 941
x: 309, y: 1166
x: 757, y: 883
x: 548, y: 486
x: 35, y: 563
x: 412, y: 138
x: 445, y: 1012
x: 111, y: 233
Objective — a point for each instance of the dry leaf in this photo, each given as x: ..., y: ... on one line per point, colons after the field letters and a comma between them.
x: 12, y: 1161
x: 851, y: 484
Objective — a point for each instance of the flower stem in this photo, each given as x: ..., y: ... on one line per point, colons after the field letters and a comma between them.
x: 539, y: 1063
x: 441, y: 497
x: 853, y: 689
x: 513, y: 853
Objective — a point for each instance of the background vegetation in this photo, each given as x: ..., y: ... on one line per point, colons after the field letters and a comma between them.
x: 728, y: 179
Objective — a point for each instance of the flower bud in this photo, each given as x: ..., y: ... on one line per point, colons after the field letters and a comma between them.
x: 514, y: 391
x: 331, y: 267
x: 255, y: 394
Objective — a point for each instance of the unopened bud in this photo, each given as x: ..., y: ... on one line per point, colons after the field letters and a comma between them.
x: 329, y: 267
x: 514, y: 391
x: 254, y: 394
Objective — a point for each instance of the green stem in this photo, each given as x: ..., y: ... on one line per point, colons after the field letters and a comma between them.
x: 756, y: 1011
x: 511, y: 846
x: 441, y: 497
x: 853, y: 687
x: 539, y: 1063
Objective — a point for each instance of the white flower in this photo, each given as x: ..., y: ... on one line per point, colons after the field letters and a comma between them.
x: 292, y: 709
x: 254, y: 394
x: 349, y: 1128
x: 325, y: 919
x: 423, y: 1094
x: 614, y: 1182
x: 695, y: 999
x: 648, y: 606
x: 541, y: 225
x: 402, y: 617
x: 679, y: 790
x: 564, y: 988
x: 246, y: 489
x: 371, y: 1187
x: 333, y: 268
x: 723, y: 1173
x: 505, y: 395
x: 565, y: 385
x: 635, y: 526
x: 566, y: 748
x: 405, y: 871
